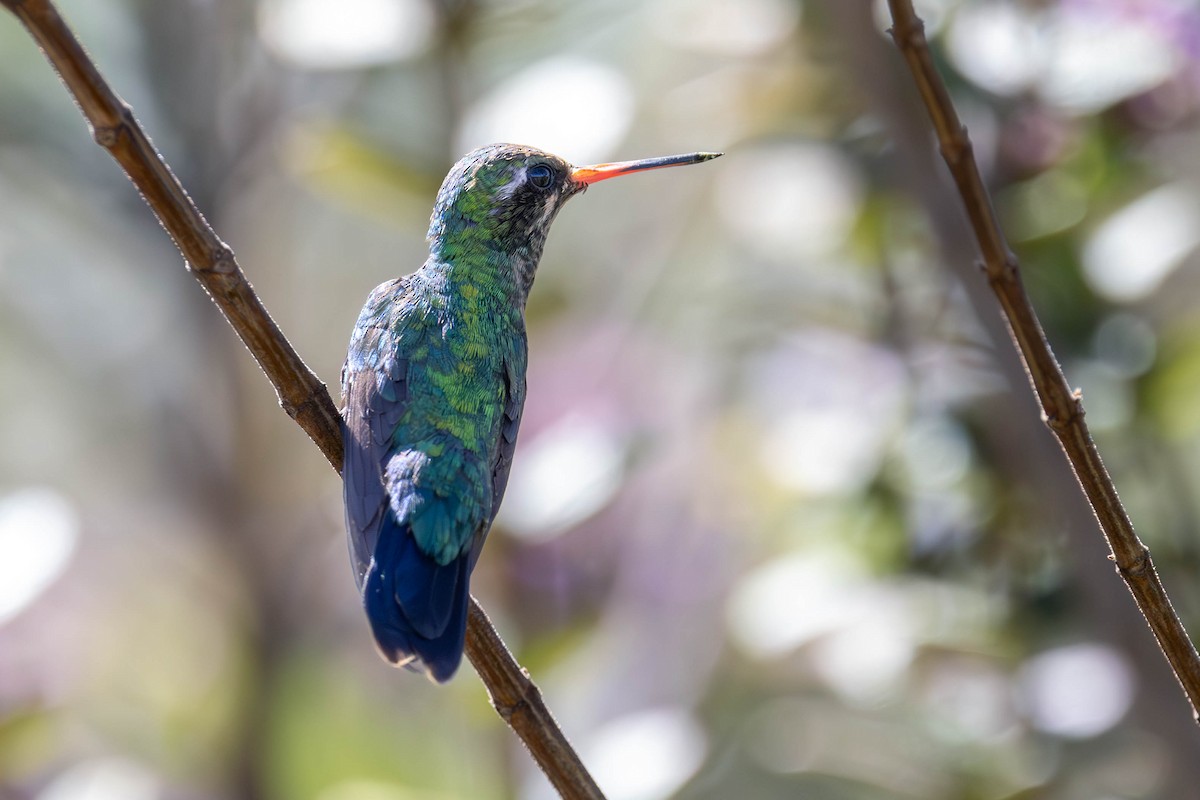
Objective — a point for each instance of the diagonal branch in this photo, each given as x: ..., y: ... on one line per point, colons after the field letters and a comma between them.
x: 208, y: 258
x: 1062, y: 408
x: 514, y: 695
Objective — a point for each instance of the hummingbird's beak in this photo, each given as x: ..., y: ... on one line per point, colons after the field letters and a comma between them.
x: 599, y: 172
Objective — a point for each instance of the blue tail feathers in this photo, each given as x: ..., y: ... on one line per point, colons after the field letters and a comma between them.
x: 417, y: 608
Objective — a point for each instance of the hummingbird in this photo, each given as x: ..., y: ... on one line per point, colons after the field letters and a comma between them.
x: 434, y: 384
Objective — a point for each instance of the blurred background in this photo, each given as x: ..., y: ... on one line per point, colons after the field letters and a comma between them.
x: 783, y: 522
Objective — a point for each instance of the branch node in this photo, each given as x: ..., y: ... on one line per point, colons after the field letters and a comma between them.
x: 109, y: 135
x: 908, y: 32
x: 958, y: 149
x: 509, y: 710
x: 223, y: 261
x: 1005, y: 271
x: 1138, y: 567
x: 1060, y: 420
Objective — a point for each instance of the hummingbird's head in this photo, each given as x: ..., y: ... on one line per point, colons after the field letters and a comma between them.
x: 496, y: 204
x: 495, y: 207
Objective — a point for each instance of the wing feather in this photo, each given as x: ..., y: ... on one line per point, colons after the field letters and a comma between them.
x: 370, y: 419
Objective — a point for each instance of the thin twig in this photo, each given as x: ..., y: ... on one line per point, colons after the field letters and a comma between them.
x: 1062, y: 408
x: 518, y: 701
x: 514, y: 695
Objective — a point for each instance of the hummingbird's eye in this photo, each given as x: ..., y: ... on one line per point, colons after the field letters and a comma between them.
x: 540, y: 176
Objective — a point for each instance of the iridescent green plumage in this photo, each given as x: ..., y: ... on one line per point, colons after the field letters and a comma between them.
x: 434, y: 385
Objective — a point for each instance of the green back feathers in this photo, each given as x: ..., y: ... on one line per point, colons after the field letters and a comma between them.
x: 451, y: 355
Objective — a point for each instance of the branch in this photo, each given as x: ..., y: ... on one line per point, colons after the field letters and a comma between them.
x: 301, y: 394
x: 1062, y: 408
x: 209, y: 259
